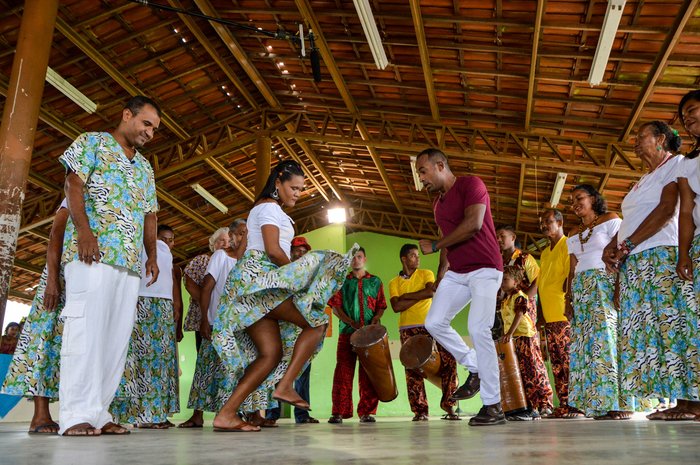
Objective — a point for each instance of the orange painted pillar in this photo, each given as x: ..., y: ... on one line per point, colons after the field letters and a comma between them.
x: 19, y: 121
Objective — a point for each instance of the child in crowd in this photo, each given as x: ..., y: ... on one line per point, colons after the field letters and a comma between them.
x: 518, y: 325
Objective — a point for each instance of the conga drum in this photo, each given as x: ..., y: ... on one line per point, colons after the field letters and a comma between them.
x: 513, y: 398
x: 371, y: 344
x: 419, y: 353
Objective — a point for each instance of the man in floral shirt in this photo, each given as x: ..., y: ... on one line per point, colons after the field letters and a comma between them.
x: 359, y: 302
x: 111, y: 195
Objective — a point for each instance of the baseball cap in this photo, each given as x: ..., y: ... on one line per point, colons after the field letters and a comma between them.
x: 300, y: 241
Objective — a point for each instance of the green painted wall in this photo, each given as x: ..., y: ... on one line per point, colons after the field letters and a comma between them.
x: 382, y: 260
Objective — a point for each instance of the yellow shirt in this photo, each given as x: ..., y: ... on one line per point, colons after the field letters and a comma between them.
x: 414, y: 315
x: 508, y: 308
x: 554, y: 269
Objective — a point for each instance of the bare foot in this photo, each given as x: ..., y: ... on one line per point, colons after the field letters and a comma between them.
x: 224, y: 422
x: 82, y: 429
x: 290, y: 396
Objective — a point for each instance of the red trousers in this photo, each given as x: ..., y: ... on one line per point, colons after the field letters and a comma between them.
x: 346, y: 360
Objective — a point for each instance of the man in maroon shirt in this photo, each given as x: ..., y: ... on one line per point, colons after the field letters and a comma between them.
x: 471, y: 269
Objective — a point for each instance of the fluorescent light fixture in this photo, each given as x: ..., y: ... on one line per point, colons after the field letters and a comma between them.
x: 416, y: 177
x: 605, y: 41
x: 337, y: 215
x: 67, y: 89
x: 364, y: 12
x: 559, y: 184
x: 209, y: 197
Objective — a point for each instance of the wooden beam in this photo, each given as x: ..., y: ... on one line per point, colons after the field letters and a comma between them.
x: 533, y: 63
x: 185, y: 210
x: 224, y: 173
x: 521, y: 186
x: 215, y: 56
x: 425, y: 58
x: 263, y: 160
x: 26, y: 266
x: 308, y: 15
x: 685, y: 13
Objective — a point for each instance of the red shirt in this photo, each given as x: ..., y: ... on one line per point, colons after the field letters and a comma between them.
x: 481, y: 251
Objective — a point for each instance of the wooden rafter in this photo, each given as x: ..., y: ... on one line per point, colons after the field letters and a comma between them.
x: 685, y: 13
x: 425, y: 58
x: 533, y: 62
x: 308, y: 15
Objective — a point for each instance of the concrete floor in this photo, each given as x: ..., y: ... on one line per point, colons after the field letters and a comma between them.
x: 389, y: 441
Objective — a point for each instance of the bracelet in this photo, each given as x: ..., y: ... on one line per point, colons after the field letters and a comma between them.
x: 626, y: 246
x: 433, y: 246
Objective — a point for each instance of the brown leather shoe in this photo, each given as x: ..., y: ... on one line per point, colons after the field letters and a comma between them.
x: 489, y: 415
x: 469, y: 389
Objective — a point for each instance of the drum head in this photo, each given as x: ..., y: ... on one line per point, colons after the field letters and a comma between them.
x: 367, y: 336
x: 416, y: 351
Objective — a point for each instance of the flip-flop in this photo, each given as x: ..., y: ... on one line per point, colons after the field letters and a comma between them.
x: 114, y: 433
x: 451, y: 417
x: 269, y: 424
x: 37, y: 429
x: 82, y: 430
x: 305, y: 406
x: 238, y: 429
x: 190, y: 424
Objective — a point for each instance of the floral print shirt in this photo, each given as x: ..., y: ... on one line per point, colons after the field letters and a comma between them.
x: 119, y: 193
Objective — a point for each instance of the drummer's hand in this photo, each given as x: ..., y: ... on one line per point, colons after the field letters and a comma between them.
x: 375, y: 320
x: 355, y: 324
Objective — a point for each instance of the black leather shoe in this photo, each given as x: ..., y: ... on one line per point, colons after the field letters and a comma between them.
x: 367, y: 419
x: 335, y: 419
x: 489, y: 415
x: 468, y: 389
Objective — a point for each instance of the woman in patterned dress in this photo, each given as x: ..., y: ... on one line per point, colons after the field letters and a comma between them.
x: 195, y: 271
x: 593, y: 366
x: 655, y: 357
x: 272, y: 318
x: 35, y: 364
x: 688, y: 267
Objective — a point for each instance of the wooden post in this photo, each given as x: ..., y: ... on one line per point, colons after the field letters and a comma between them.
x: 19, y: 120
x: 263, y: 159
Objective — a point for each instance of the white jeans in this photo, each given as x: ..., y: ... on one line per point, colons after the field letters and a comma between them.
x: 98, y: 319
x: 454, y: 292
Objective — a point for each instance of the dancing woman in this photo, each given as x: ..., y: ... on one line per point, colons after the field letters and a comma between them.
x: 271, y: 319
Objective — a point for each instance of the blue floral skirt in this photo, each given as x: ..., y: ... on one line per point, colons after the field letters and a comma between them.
x: 593, y: 366
x: 34, y: 370
x: 658, y: 326
x: 256, y: 286
x: 148, y: 392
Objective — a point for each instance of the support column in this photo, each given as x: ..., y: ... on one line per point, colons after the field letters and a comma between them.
x: 19, y: 120
x: 263, y: 159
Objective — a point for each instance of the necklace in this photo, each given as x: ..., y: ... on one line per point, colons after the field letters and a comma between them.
x: 590, y: 227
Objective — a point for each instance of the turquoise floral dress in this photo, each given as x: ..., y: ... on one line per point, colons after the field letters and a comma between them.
x: 255, y: 286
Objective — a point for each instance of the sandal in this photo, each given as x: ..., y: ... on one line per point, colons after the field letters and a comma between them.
x: 451, y: 417
x: 190, y: 424
x: 114, y: 429
x: 52, y: 428
x: 82, y: 429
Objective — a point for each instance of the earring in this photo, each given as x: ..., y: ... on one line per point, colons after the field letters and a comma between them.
x: 658, y: 147
x: 275, y: 195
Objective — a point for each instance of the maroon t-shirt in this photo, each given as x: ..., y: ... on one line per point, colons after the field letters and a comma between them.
x: 481, y: 251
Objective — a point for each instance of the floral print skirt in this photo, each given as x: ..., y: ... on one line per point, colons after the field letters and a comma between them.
x: 148, y: 392
x: 35, y: 365
x: 594, y: 386
x: 256, y: 286
x: 659, y: 335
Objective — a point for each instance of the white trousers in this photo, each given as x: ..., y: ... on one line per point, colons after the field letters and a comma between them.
x: 98, y: 319
x: 456, y: 290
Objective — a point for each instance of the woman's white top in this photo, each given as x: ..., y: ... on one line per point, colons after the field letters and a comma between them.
x: 269, y: 213
x: 643, y: 199
x: 589, y: 256
x: 163, y: 287
x: 690, y: 169
x: 220, y: 264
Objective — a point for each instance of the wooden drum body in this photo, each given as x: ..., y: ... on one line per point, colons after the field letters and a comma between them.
x: 371, y: 344
x: 419, y: 353
x: 512, y: 392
